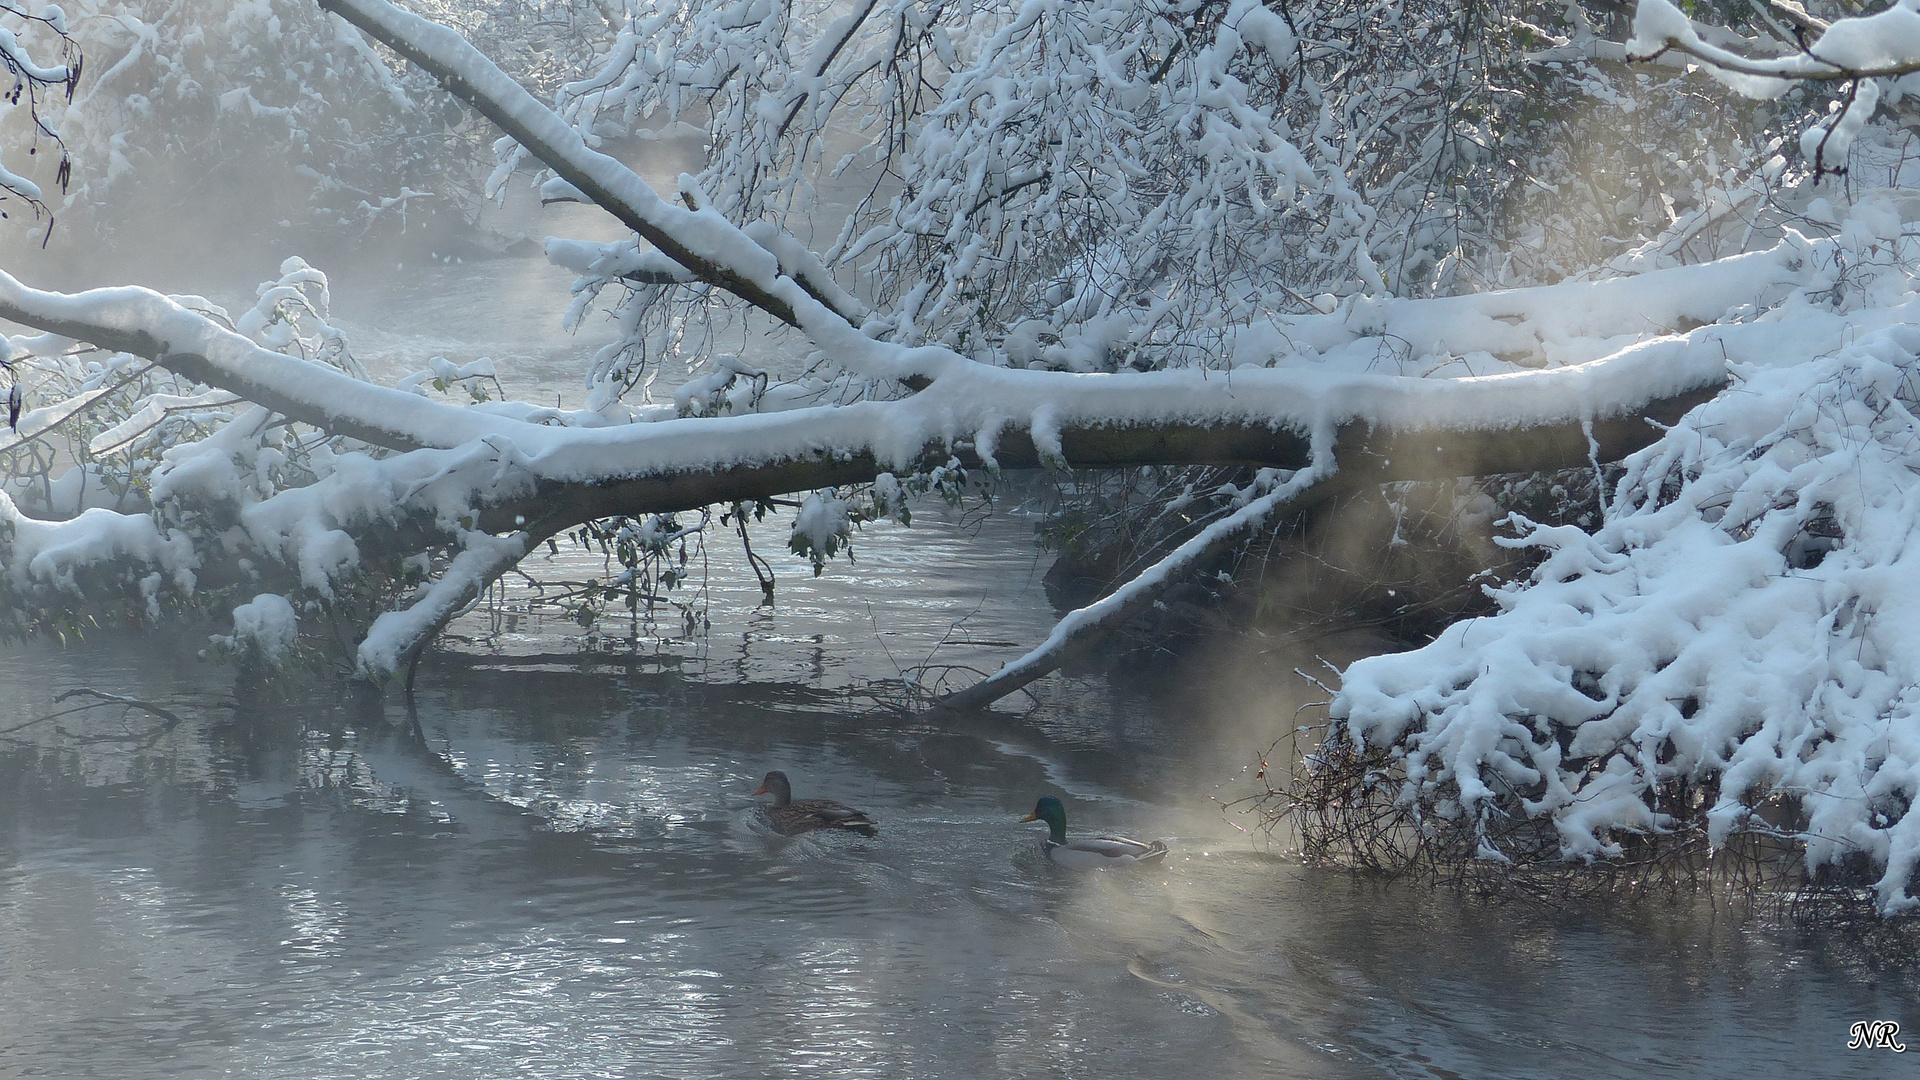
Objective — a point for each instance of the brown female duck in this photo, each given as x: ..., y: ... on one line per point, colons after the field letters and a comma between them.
x: 791, y: 817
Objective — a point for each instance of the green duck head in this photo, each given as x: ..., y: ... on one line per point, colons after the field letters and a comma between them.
x: 777, y: 786
x: 1049, y: 810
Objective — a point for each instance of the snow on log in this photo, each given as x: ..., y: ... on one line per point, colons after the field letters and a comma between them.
x: 1393, y: 427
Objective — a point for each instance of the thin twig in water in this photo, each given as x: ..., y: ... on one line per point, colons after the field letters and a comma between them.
x: 172, y: 720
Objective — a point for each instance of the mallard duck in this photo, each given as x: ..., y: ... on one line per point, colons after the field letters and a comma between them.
x: 791, y: 817
x: 1089, y: 852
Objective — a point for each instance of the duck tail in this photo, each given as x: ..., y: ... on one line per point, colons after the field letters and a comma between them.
x: 1156, y: 851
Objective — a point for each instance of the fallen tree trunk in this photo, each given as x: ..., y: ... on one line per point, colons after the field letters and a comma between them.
x: 466, y: 477
x: 1365, y: 454
x: 1553, y: 420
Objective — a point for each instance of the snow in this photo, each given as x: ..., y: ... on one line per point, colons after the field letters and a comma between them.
x: 820, y: 528
x: 1755, y: 625
x: 55, y: 553
x: 1255, y: 23
x: 1826, y: 144
x: 266, y: 626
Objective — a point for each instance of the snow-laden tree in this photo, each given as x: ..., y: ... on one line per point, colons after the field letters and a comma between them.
x: 1084, y: 234
x: 43, y: 67
x: 1730, y: 654
x: 1142, y: 184
x: 282, y: 115
x: 1130, y: 185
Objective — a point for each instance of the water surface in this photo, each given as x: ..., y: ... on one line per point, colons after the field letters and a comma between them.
x: 551, y: 869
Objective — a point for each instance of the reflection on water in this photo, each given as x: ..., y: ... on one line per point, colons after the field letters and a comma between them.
x: 557, y: 873
x: 960, y: 589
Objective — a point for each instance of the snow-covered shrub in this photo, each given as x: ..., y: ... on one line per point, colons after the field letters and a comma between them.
x: 265, y: 631
x: 120, y: 471
x: 1731, y: 652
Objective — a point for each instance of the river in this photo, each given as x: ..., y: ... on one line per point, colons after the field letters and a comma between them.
x: 549, y: 866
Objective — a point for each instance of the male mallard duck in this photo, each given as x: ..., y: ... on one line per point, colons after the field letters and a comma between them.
x: 791, y: 817
x: 1091, y: 852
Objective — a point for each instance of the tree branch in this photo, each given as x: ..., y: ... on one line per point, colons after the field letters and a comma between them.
x: 1083, y: 629
x: 702, y: 241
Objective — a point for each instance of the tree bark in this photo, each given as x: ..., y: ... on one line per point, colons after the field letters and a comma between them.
x: 1363, y: 453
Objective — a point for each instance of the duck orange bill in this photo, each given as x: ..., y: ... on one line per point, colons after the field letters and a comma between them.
x: 1031, y: 817
x: 761, y: 790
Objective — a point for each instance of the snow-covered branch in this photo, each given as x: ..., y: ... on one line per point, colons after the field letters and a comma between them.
x: 1012, y: 418
x: 1861, y: 51
x: 465, y: 473
x: 32, y: 80
x: 1885, y: 44
x: 701, y: 241
x: 1083, y: 629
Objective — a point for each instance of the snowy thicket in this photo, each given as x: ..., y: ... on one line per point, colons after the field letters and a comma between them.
x: 1731, y: 650
x: 272, y: 110
x: 1137, y: 184
x: 1077, y: 232
x: 1732, y: 647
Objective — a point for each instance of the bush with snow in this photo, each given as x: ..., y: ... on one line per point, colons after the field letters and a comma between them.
x: 265, y: 630
x: 1732, y: 651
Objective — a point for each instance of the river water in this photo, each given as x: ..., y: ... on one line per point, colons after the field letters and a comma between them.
x: 546, y: 864
x: 548, y: 867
